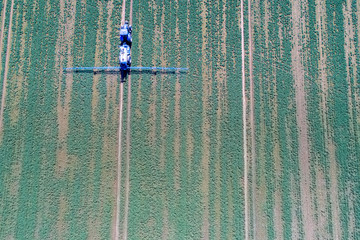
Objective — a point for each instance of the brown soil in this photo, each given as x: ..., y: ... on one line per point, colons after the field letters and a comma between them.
x: 206, y: 124
x: 298, y: 22
x: 8, y: 51
x: 65, y: 40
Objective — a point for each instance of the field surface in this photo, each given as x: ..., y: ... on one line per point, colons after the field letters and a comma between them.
x: 260, y: 139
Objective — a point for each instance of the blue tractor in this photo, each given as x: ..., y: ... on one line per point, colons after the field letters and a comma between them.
x: 125, y: 34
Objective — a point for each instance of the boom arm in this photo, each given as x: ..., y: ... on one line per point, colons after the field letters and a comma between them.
x: 164, y: 69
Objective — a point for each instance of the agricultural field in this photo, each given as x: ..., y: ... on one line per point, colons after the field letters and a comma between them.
x: 260, y: 139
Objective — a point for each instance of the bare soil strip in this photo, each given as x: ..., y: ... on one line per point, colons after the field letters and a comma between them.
x: 3, y: 96
x: 128, y: 148
x: 298, y: 28
x: 64, y: 47
x: 118, y: 185
x: 206, y: 123
x: 244, y: 109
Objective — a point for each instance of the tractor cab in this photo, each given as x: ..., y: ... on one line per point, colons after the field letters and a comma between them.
x: 125, y: 34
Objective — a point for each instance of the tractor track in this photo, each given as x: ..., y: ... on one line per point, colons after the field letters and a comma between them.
x: 128, y: 146
x: 119, y: 159
x: 246, y: 207
x: 3, y: 96
x: 118, y: 185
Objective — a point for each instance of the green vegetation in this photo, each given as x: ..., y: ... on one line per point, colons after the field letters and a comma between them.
x: 58, y: 151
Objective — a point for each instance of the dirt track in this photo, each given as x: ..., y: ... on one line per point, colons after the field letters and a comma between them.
x: 118, y: 185
x: 246, y: 200
x: 127, y: 166
x: 128, y: 146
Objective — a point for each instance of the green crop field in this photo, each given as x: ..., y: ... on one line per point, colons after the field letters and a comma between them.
x: 260, y: 139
